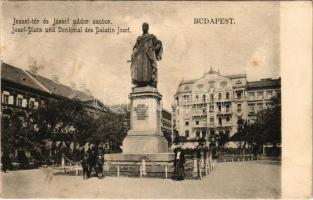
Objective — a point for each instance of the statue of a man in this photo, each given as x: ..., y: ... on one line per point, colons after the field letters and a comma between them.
x: 147, y: 50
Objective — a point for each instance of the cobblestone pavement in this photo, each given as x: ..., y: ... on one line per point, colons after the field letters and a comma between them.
x: 251, y: 179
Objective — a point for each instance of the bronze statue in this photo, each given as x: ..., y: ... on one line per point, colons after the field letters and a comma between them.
x: 146, y: 52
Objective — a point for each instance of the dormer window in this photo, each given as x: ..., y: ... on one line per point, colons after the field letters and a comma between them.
x: 238, y: 82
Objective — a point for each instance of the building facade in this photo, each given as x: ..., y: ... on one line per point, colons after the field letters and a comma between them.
x: 214, y: 103
x: 25, y: 91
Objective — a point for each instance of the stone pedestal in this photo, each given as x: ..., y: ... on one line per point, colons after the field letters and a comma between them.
x: 145, y: 134
x: 145, y: 149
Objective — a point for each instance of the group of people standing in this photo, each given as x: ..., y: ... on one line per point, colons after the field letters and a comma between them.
x: 93, y: 161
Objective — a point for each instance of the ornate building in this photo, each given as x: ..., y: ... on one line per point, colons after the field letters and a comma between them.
x: 214, y: 103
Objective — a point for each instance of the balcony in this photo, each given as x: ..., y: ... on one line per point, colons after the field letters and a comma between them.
x: 224, y: 112
x: 199, y: 102
x: 198, y: 113
x: 224, y: 124
x: 200, y: 125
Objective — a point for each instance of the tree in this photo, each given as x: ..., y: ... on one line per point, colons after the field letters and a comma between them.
x: 110, y: 128
x: 63, y: 119
x: 268, y: 122
x: 265, y: 129
x: 222, y: 139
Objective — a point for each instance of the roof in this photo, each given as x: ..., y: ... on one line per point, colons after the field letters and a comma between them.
x: 60, y: 89
x: 263, y: 83
x: 19, y: 76
x: 187, y: 81
x: 236, y: 76
x: 182, y: 86
x: 38, y: 82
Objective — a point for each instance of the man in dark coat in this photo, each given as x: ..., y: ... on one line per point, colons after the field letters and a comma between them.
x: 92, y: 159
x: 179, y: 162
x: 85, y: 166
x: 100, y: 163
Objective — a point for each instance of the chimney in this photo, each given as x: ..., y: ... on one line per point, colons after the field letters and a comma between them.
x: 33, y: 68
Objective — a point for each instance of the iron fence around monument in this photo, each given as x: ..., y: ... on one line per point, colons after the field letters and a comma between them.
x: 194, y: 168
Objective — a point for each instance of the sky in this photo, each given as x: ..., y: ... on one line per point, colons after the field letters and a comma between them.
x: 250, y: 46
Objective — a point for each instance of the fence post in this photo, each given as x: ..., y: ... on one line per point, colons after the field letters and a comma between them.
x: 200, y: 171
x: 63, y: 163
x: 144, y: 169
x: 201, y: 159
x: 118, y: 170
x: 195, y: 165
x: 76, y: 168
x: 165, y: 171
x: 140, y: 171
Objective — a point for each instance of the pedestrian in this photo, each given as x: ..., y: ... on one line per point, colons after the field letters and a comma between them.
x: 100, y: 163
x: 255, y: 151
x: 85, y: 166
x: 92, y: 159
x: 179, y: 162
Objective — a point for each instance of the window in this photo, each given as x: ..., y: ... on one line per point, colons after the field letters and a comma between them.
x: 238, y: 82
x: 186, y: 87
x: 187, y: 123
x: 227, y: 119
x: 239, y: 119
x: 220, y: 120
x: 197, y: 122
x: 219, y: 107
x: 251, y: 108
x: 239, y: 94
x: 227, y: 108
x: 6, y: 99
x: 251, y: 95
x: 239, y: 107
x: 212, y: 97
x: 187, y: 133
x: 24, y: 103
x: 11, y: 100
x: 19, y: 102
x: 203, y: 98
x: 227, y: 95
x: 211, y: 108
x: 200, y: 86
x: 197, y: 133
x: 219, y: 96
x: 212, y: 120
x: 269, y: 94
x: 260, y: 95
x: 203, y: 134
x: 186, y: 98
x: 197, y: 98
x: 223, y: 84
x: 31, y: 104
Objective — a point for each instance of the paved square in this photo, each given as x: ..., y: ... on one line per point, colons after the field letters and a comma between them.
x: 252, y: 179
